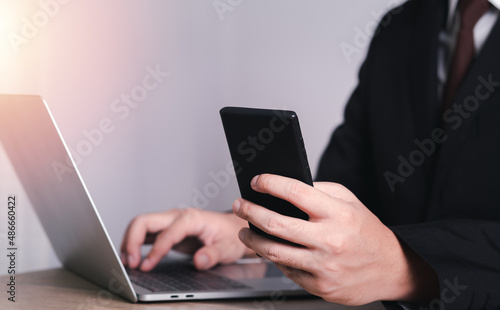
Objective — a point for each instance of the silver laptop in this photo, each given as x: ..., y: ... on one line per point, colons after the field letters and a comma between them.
x: 61, y: 200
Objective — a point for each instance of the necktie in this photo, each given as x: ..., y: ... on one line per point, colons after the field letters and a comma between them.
x: 470, y: 12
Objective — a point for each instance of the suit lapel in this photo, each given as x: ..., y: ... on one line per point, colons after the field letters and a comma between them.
x: 486, y: 64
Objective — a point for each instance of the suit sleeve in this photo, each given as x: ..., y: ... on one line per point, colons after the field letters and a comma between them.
x: 466, y: 257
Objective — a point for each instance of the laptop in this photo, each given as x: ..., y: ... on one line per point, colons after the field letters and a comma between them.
x: 41, y: 159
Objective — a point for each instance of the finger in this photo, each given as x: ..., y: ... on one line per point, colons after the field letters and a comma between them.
x: 219, y: 252
x: 305, y: 197
x: 301, y: 278
x: 289, y: 228
x: 314, y: 283
x: 336, y: 190
x: 183, y: 226
x: 136, y: 234
x: 284, y: 254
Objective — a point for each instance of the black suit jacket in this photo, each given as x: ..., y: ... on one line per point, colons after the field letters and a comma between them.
x: 443, y: 202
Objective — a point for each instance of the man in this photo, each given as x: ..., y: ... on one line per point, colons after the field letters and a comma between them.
x: 417, y: 217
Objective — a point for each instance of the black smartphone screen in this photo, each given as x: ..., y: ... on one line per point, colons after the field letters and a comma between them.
x: 266, y: 141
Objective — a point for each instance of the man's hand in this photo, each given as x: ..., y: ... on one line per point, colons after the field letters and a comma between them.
x: 348, y: 257
x: 211, y: 236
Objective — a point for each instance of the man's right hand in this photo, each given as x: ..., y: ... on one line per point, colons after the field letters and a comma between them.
x: 211, y: 236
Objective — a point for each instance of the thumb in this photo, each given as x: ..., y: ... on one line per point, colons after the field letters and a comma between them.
x: 210, y: 255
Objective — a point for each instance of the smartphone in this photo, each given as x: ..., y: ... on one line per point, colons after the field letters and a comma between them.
x: 266, y: 141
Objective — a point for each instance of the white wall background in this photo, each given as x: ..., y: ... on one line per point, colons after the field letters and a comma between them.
x: 84, y: 55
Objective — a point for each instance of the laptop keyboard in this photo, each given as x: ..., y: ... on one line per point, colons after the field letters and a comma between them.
x: 179, y: 277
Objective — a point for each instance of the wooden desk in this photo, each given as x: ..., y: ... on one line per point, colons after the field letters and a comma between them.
x: 56, y: 289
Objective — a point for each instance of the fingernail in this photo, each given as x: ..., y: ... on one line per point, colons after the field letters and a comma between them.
x: 130, y: 259
x: 203, y: 261
x: 241, y: 235
x: 236, y: 206
x: 254, y: 181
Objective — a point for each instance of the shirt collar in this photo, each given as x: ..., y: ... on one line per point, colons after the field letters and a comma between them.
x: 453, y: 7
x: 495, y: 3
